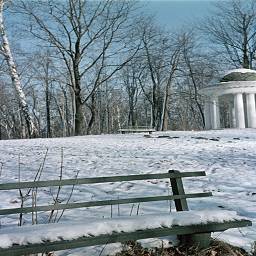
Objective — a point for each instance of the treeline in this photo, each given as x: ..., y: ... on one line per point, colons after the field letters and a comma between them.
x: 78, y: 67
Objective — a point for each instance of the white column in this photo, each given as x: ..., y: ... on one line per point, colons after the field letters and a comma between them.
x: 239, y: 110
x: 207, y: 115
x: 232, y: 115
x: 215, y: 116
x: 251, y: 111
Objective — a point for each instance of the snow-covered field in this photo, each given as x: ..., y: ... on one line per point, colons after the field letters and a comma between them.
x: 227, y: 156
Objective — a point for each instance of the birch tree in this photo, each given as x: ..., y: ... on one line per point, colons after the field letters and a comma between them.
x: 16, y: 81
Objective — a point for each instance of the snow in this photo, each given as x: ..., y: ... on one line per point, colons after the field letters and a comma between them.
x: 227, y: 156
x: 94, y: 227
x: 240, y: 70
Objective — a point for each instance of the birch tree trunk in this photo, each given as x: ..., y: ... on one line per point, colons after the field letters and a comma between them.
x: 6, y: 51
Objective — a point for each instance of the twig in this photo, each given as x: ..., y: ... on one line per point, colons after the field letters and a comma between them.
x: 215, y: 238
x: 170, y: 201
x: 39, y: 171
x: 105, y: 245
x: 131, y: 209
x: 34, y: 203
x: 21, y: 206
x: 58, y: 191
x: 21, y: 195
x: 35, y: 190
x: 1, y: 168
x: 118, y: 208
x: 70, y: 195
x: 19, y: 168
x: 138, y: 208
x: 61, y: 173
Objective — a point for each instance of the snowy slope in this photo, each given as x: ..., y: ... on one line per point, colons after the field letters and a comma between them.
x: 228, y: 157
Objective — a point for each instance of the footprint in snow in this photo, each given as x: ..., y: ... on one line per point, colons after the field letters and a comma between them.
x: 251, y: 193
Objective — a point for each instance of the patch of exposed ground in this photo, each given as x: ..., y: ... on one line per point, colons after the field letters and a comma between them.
x: 217, y: 248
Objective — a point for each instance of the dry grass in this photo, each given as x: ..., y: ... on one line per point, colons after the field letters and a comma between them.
x: 216, y: 248
x: 253, y: 252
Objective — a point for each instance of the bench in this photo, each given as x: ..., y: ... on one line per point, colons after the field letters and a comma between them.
x: 137, y: 129
x: 191, y: 227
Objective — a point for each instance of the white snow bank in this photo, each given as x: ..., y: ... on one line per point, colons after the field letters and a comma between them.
x: 240, y: 70
x: 93, y: 227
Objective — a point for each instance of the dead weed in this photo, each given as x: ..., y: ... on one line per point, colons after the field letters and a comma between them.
x: 217, y: 248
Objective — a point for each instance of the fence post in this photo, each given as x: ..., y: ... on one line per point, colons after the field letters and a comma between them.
x: 201, y: 240
x: 178, y: 189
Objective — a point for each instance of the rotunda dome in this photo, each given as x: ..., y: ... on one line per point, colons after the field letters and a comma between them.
x: 241, y: 74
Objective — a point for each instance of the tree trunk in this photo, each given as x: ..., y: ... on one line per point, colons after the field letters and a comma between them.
x: 68, y: 131
x: 47, y: 97
x: 245, y: 52
x: 6, y: 51
x: 93, y: 114
x: 153, y: 108
x: 131, y: 117
x: 79, y: 117
x: 23, y: 127
x: 48, y: 114
x: 164, y: 118
x: 64, y: 111
x: 118, y: 117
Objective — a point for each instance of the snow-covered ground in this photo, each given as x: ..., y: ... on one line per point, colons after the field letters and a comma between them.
x: 227, y: 156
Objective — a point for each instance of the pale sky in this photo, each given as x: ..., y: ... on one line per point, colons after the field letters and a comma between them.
x: 176, y: 13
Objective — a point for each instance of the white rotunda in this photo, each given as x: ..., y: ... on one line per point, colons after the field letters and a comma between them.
x: 237, y: 90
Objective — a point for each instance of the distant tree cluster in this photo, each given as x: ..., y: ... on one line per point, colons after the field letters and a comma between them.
x: 79, y: 67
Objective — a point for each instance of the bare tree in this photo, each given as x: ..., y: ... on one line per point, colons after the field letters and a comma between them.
x: 232, y: 27
x: 6, y: 52
x: 43, y: 76
x: 192, y: 72
x: 153, y: 63
x: 88, y: 36
x: 161, y: 58
x: 172, y: 66
x: 93, y: 68
x: 130, y: 79
x: 196, y: 70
